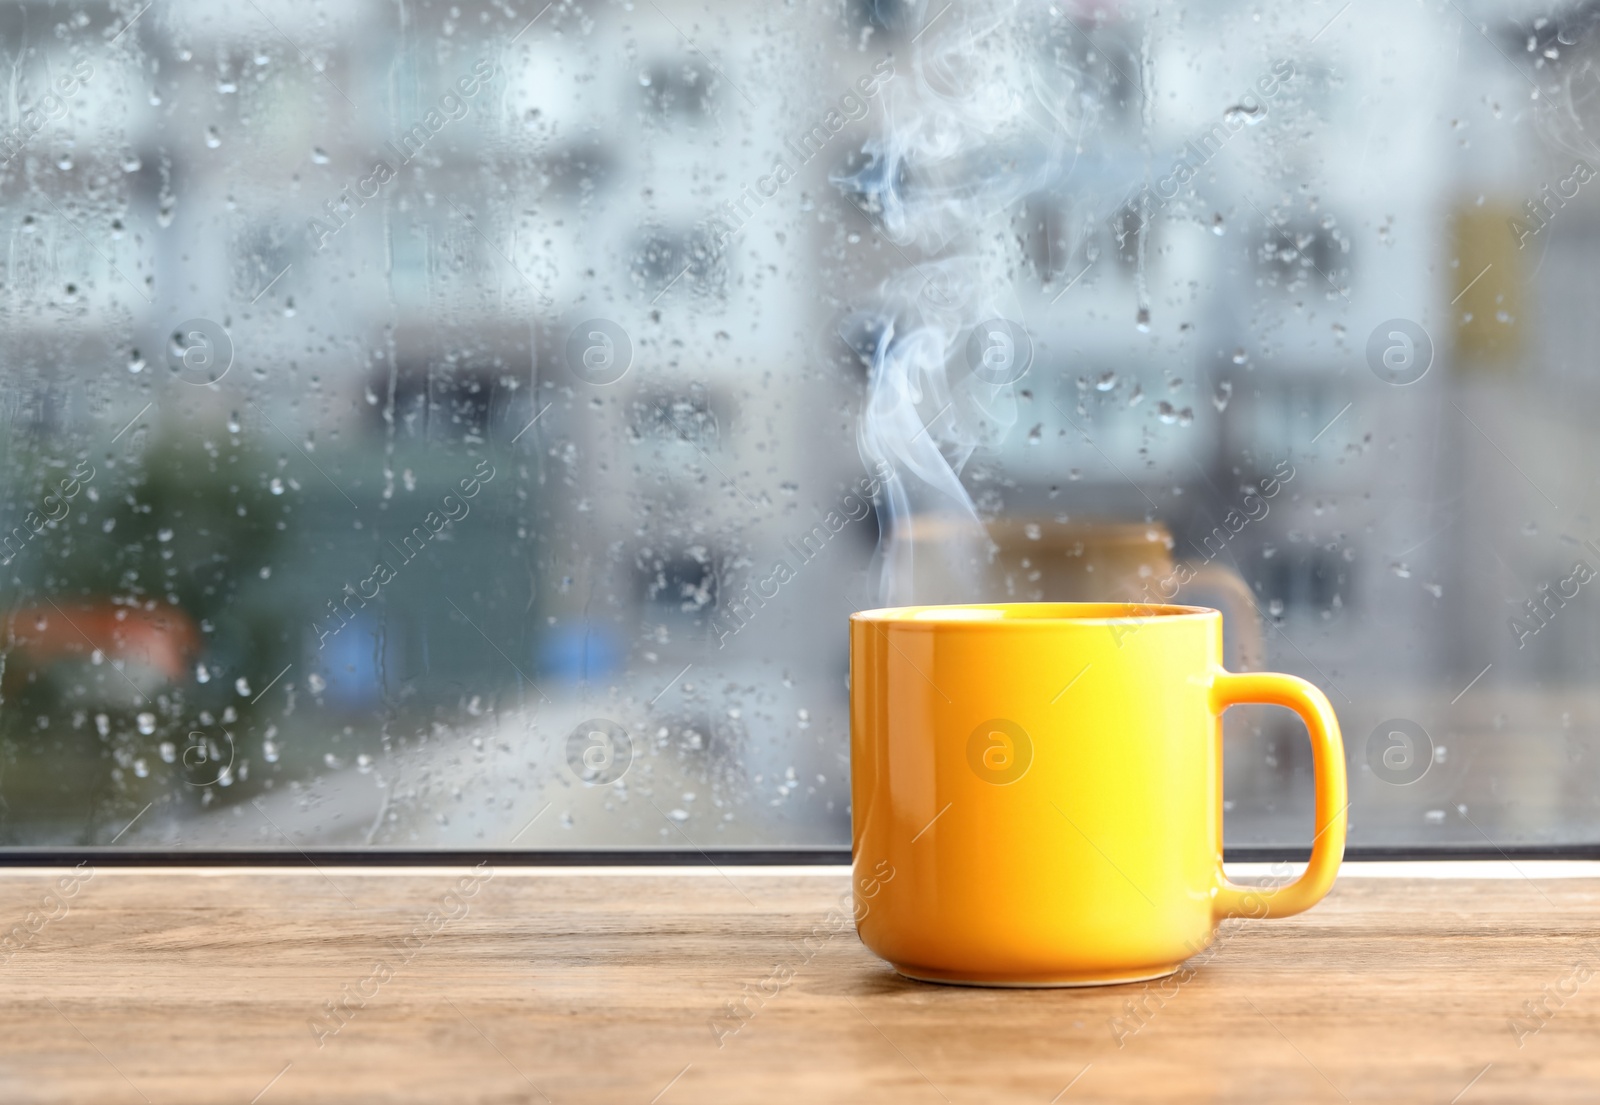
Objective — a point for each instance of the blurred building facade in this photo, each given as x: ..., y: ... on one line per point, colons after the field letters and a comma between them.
x: 286, y: 278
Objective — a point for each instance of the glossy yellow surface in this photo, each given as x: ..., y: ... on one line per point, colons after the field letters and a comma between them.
x: 1037, y: 789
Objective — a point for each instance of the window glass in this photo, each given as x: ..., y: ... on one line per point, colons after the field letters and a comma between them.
x: 470, y: 425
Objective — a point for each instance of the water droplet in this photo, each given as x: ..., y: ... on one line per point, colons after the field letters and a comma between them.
x: 213, y: 139
x: 1107, y: 381
x: 164, y: 534
x: 1036, y: 435
x: 1239, y: 355
x: 135, y: 362
x: 147, y: 723
x: 202, y: 673
x: 102, y: 725
x: 1167, y: 413
x: 169, y: 752
x: 64, y: 162
x: 1223, y: 395
x: 1434, y: 589
x: 131, y: 163
x: 234, y: 426
x: 269, y: 751
x: 1137, y: 397
x: 364, y: 763
x: 242, y: 685
x: 1275, y: 608
x: 678, y: 815
x: 1141, y: 321
x: 1434, y: 817
x: 141, y: 768
x: 276, y: 486
x: 1217, y: 226
x: 1242, y: 114
x: 1401, y: 569
x: 318, y: 156
x: 316, y: 683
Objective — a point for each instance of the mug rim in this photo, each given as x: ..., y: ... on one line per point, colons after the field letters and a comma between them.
x: 1009, y: 615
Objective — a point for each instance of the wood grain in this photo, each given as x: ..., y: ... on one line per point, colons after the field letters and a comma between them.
x: 201, y: 985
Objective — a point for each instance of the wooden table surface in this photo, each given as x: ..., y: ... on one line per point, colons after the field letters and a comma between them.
x: 673, y: 986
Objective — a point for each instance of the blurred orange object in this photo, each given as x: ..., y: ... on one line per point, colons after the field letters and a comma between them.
x: 161, y: 637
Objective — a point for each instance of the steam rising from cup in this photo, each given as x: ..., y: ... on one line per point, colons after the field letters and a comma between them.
x: 984, y: 120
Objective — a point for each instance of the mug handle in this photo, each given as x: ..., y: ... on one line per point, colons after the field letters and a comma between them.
x: 1333, y: 797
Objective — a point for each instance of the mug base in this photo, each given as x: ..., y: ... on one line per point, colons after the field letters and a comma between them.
x: 1042, y: 982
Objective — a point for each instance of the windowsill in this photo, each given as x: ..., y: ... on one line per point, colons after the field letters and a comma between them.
x: 613, y: 984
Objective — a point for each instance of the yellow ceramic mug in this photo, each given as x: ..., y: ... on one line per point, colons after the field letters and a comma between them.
x: 1037, y: 790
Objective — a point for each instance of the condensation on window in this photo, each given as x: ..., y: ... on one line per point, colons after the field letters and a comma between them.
x: 470, y: 425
